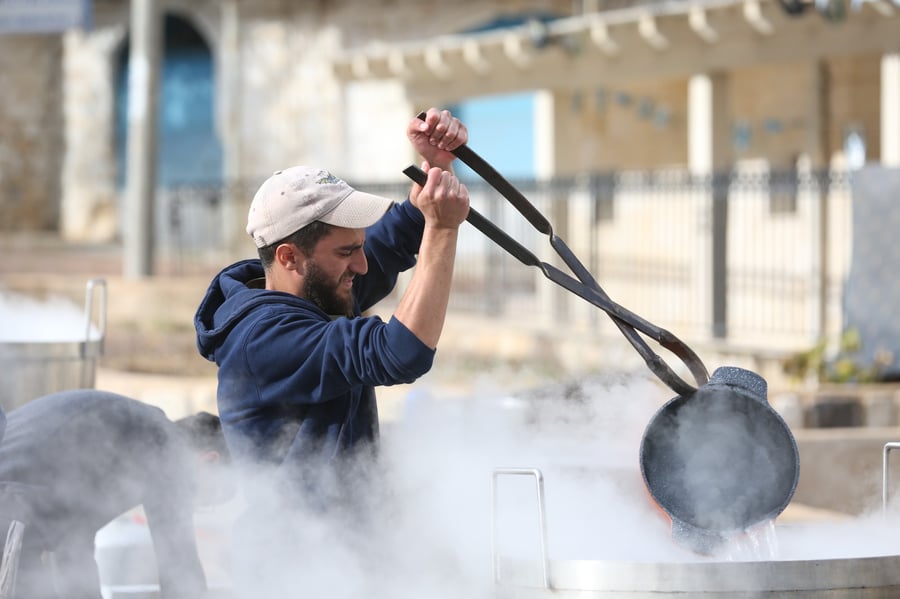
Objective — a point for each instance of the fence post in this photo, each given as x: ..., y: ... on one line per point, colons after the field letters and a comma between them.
x: 559, y: 211
x: 822, y: 268
x: 497, y: 285
x: 719, y: 255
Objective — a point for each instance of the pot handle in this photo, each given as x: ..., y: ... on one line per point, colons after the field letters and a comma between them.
x: 94, y: 287
x: 885, y: 474
x: 746, y: 380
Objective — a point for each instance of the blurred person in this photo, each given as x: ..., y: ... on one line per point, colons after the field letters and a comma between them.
x: 73, y: 461
x: 297, y: 361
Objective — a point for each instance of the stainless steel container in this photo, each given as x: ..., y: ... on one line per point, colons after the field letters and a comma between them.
x: 853, y: 578
x: 865, y: 577
x: 31, y: 369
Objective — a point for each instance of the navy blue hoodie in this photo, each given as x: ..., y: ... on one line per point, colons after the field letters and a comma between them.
x: 296, y: 386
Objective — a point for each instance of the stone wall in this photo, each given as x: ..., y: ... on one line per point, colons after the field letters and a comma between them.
x: 30, y: 131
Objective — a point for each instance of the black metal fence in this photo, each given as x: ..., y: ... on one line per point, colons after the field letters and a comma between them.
x: 748, y: 257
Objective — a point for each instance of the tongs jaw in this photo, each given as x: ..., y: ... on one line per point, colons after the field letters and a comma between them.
x: 584, y: 286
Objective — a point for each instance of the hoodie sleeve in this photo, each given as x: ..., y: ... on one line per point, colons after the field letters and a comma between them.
x: 312, y: 360
x: 391, y: 248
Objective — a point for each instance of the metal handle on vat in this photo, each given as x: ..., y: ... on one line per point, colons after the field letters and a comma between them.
x: 9, y: 564
x: 884, y: 474
x: 542, y: 520
x: 90, y: 291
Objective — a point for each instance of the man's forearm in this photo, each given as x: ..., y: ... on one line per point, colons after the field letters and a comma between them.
x: 423, y: 307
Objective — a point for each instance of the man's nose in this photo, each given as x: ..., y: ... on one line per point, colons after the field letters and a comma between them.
x: 359, y: 265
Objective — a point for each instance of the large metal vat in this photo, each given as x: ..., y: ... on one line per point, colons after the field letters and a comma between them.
x: 871, y: 576
x: 31, y: 369
x: 853, y: 578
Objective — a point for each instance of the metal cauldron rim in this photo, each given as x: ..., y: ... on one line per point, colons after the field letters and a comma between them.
x: 875, y: 572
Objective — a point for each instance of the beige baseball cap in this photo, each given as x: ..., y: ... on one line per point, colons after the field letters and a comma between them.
x: 292, y: 198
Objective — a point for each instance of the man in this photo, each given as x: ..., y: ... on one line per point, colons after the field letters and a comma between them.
x: 297, y: 362
x: 72, y: 461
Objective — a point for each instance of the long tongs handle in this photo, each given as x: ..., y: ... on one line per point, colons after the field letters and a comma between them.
x: 588, y: 289
x: 586, y: 286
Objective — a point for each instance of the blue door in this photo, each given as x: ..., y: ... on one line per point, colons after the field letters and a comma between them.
x: 189, y: 150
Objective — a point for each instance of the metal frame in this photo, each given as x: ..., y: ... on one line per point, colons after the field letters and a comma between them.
x: 542, y: 520
x: 94, y: 287
x: 9, y: 566
x: 885, y: 493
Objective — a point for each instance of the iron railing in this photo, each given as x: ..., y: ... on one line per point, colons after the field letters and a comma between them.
x: 748, y: 257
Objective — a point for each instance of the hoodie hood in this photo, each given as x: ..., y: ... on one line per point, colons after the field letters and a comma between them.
x: 228, y: 299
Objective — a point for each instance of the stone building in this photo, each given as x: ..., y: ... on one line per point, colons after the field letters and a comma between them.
x: 550, y: 89
x: 615, y: 85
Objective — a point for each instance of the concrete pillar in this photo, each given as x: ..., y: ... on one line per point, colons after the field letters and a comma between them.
x: 709, y: 152
x: 544, y: 134
x: 818, y: 101
x: 879, y: 409
x: 709, y: 130
x: 551, y: 298
x: 140, y: 178
x: 890, y: 109
x: 818, y: 153
x: 88, y: 210
x: 580, y: 236
x: 236, y: 198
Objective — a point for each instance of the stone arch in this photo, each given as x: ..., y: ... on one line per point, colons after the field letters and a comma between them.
x: 189, y: 150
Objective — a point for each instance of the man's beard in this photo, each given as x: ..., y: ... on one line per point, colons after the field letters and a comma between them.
x: 322, y: 291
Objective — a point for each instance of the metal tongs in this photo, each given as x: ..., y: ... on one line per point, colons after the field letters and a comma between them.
x: 585, y: 286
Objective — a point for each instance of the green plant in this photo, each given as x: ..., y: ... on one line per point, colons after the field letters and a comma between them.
x: 843, y: 367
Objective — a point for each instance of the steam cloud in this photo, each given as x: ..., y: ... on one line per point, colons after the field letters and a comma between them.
x: 431, y: 534
x: 27, y: 319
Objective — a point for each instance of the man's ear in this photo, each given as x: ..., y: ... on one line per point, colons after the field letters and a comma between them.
x: 289, y: 257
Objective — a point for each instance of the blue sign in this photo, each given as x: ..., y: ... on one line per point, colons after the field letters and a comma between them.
x: 44, y: 16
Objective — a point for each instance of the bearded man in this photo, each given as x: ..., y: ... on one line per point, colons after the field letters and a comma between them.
x: 297, y: 361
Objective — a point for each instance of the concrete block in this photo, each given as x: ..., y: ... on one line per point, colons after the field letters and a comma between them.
x: 879, y: 409
x: 832, y: 411
x: 840, y: 469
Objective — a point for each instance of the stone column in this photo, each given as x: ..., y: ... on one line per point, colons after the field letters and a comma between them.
x: 709, y: 153
x: 236, y: 197
x: 552, y: 299
x: 88, y: 210
x: 817, y: 132
x: 140, y: 179
x: 819, y: 154
x: 890, y: 109
x: 709, y: 139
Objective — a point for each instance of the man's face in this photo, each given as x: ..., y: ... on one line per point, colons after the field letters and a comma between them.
x: 329, y: 271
